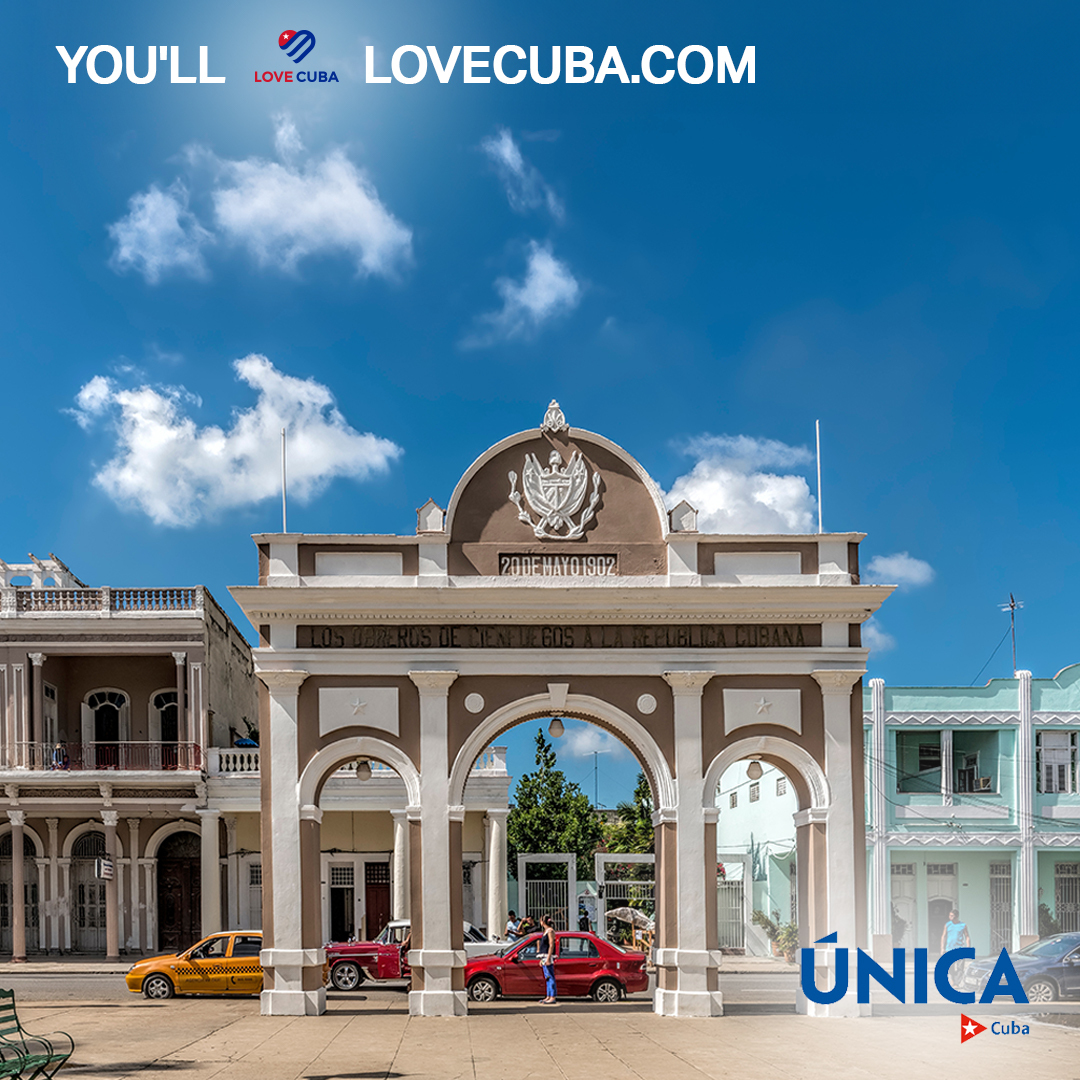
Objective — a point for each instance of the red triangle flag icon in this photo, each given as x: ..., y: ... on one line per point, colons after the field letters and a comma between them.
x: 969, y: 1028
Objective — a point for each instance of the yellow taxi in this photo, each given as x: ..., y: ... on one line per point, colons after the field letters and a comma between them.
x: 226, y: 963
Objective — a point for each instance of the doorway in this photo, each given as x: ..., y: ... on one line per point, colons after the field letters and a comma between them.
x: 342, y: 903
x: 30, y: 897
x: 942, y: 896
x: 179, y: 892
x: 88, y: 895
x: 376, y: 897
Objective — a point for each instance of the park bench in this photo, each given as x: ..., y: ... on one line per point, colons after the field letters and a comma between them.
x: 24, y: 1055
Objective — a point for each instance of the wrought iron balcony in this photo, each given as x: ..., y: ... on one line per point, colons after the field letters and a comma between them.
x: 113, y: 756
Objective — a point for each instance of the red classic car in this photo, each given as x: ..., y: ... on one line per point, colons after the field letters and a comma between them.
x: 351, y: 962
x: 584, y: 965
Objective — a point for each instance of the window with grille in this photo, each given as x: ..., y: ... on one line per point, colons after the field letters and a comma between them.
x: 341, y: 876
x: 945, y: 869
x: 1055, y: 761
x: 755, y: 792
x: 255, y: 875
x: 781, y: 785
x: 733, y: 800
x: 903, y: 869
x: 377, y: 873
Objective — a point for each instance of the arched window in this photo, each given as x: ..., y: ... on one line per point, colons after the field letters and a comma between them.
x: 165, y: 711
x: 105, y: 725
x: 90, y: 845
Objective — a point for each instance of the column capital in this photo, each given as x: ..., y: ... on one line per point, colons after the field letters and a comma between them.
x: 111, y: 818
x: 208, y: 814
x: 180, y: 658
x: 283, y: 682
x: 310, y: 812
x: 455, y: 813
x: 687, y: 682
x: 433, y: 682
x: 813, y: 815
x: 400, y: 815
x: 53, y: 823
x: 498, y: 813
x: 413, y: 813
x: 17, y: 818
x: 839, y: 681
x: 37, y: 658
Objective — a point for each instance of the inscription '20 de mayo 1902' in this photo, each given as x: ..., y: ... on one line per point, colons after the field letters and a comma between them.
x: 526, y: 565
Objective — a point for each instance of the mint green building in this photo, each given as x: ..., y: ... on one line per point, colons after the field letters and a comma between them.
x: 972, y: 802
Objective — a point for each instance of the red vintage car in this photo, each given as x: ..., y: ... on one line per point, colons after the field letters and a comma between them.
x: 585, y: 965
x: 351, y: 962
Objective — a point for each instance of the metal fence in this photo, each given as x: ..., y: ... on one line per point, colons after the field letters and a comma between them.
x: 731, y: 915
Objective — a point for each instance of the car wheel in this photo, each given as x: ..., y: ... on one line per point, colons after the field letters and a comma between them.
x: 607, y: 992
x: 483, y: 988
x: 346, y: 975
x: 1041, y: 990
x: 158, y: 987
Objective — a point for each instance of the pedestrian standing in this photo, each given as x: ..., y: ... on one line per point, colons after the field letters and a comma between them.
x: 954, y: 934
x: 546, y: 950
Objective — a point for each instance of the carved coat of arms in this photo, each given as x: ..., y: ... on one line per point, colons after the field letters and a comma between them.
x: 555, y: 495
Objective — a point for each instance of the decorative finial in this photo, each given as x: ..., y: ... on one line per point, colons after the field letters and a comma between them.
x: 554, y: 420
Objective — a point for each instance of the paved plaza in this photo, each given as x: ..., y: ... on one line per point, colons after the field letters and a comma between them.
x: 371, y: 1035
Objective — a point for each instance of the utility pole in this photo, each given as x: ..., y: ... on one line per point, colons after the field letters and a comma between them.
x: 595, y: 777
x: 1012, y: 607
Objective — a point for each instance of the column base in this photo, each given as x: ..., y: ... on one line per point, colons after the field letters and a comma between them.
x: 695, y: 1003
x: 293, y: 1002
x: 438, y: 1003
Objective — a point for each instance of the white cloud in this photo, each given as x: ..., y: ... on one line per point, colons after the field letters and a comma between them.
x: 899, y: 569
x: 525, y: 188
x: 160, y: 234
x: 735, y: 489
x: 875, y: 638
x: 548, y: 290
x: 582, y: 739
x: 178, y: 473
x: 279, y: 211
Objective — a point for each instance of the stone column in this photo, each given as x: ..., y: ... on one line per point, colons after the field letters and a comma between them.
x: 149, y: 867
x: 1027, y: 884
x: 53, y: 907
x: 35, y: 751
x: 496, y: 878
x: 182, y: 726
x: 400, y: 866
x: 112, y: 895
x: 135, y: 938
x: 210, y: 871
x: 440, y: 967
x: 232, y: 873
x: 289, y: 967
x: 697, y: 989
x: 18, y: 887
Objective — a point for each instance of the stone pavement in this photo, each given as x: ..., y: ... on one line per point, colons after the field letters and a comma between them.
x: 371, y: 1035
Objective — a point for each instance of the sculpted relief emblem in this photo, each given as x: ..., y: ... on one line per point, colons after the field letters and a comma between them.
x: 555, y: 495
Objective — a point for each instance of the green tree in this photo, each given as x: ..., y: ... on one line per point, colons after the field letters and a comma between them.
x: 551, y: 815
x: 632, y: 831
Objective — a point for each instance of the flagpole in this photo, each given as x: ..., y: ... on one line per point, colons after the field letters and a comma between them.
x: 284, y: 523
x: 817, y: 429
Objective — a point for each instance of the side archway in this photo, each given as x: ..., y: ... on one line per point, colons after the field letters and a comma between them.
x: 162, y: 834
x: 330, y: 757
x: 636, y: 737
x: 781, y: 752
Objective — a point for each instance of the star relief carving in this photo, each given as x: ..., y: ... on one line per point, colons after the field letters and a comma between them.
x: 358, y: 707
x: 763, y: 706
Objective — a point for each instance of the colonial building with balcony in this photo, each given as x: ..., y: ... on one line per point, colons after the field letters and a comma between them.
x: 973, y: 803
x: 128, y: 731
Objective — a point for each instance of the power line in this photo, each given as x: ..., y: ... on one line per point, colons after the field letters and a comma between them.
x: 991, y: 657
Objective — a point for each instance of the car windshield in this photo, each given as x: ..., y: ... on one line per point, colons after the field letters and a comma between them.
x: 384, y: 937
x: 1053, y: 946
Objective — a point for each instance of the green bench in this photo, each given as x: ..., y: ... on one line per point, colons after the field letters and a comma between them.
x: 24, y: 1055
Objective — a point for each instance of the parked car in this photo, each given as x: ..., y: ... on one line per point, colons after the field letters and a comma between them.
x: 1049, y: 968
x: 351, y: 962
x: 585, y: 965
x: 226, y: 963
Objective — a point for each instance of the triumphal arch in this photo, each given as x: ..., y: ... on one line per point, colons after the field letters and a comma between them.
x: 556, y: 583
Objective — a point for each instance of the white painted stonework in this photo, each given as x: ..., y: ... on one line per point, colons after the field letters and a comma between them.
x: 743, y: 708
x: 366, y: 706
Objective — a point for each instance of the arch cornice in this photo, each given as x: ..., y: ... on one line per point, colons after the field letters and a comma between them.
x: 575, y: 434
x: 168, y: 829
x: 28, y: 831
x: 365, y: 746
x: 772, y: 746
x: 630, y: 730
x: 85, y: 827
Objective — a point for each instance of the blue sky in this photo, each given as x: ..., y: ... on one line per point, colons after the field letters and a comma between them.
x: 880, y: 232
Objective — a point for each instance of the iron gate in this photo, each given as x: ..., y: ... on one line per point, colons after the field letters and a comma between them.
x: 1067, y: 896
x: 553, y: 892
x: 1000, y: 906
x: 731, y: 915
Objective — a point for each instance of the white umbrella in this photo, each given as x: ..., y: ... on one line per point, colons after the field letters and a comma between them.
x: 633, y: 916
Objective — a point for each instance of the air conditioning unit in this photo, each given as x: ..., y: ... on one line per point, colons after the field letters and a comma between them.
x: 983, y: 783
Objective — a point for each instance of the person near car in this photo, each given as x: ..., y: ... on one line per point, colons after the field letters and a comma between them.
x: 512, y: 926
x: 546, y: 950
x: 954, y: 934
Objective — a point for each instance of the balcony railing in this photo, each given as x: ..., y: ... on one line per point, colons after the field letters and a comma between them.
x: 105, y: 601
x: 243, y: 761
x: 119, y: 756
